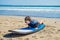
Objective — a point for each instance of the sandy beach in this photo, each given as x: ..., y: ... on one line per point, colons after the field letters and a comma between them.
x: 50, y: 32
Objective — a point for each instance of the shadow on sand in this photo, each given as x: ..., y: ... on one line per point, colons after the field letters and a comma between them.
x: 13, y: 35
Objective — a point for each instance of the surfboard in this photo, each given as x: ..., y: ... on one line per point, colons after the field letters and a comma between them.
x: 28, y: 30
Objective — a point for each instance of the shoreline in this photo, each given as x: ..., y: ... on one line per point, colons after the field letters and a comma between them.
x: 30, y: 16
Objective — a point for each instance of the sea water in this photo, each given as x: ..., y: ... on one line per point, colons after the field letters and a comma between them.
x: 51, y: 12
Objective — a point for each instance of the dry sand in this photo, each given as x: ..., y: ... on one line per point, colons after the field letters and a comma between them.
x: 50, y: 32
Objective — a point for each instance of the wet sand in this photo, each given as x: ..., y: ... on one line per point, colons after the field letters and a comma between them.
x: 50, y: 32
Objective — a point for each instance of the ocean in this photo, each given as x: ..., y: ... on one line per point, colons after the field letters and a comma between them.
x: 49, y: 12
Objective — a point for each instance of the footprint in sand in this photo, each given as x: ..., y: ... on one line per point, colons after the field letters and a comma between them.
x: 34, y: 37
x: 54, y: 22
x: 26, y: 38
x: 0, y: 32
x: 1, y: 38
x: 20, y: 21
x: 19, y: 38
x: 41, y: 36
x: 58, y: 31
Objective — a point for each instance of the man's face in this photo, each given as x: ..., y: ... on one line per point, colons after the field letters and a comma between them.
x: 27, y: 22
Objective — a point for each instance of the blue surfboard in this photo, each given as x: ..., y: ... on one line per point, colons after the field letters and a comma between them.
x: 28, y: 30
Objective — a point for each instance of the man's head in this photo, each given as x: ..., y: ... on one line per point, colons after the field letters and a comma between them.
x: 27, y: 19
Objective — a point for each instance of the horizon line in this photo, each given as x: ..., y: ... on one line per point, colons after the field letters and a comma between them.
x: 29, y: 5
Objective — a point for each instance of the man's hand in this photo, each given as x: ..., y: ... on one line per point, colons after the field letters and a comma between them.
x: 41, y: 22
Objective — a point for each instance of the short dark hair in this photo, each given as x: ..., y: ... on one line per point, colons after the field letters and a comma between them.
x: 27, y: 18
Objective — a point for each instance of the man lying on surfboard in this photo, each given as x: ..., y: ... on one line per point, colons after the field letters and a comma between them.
x: 32, y: 23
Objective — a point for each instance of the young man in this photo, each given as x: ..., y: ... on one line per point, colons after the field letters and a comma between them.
x: 32, y: 23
